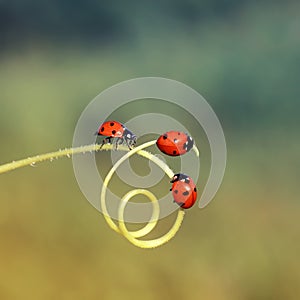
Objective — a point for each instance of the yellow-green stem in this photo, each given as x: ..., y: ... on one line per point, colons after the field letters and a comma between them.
x: 67, y: 152
x: 131, y: 236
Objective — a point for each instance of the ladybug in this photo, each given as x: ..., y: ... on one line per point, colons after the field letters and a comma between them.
x: 114, y: 129
x: 184, y: 190
x: 175, y: 143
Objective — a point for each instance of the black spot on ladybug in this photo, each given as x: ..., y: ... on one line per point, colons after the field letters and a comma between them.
x: 178, y: 133
x: 176, y: 191
x: 174, y: 152
x: 112, y: 124
x: 195, y: 190
x: 185, y: 193
x: 165, y: 136
x: 102, y: 129
x: 175, y: 140
x: 113, y: 132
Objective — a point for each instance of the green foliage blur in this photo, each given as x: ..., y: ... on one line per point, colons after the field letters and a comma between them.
x: 242, y: 56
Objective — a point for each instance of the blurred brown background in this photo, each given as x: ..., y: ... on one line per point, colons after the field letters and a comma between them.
x: 242, y: 56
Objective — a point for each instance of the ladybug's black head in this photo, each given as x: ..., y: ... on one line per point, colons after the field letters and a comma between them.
x: 129, y: 136
x: 179, y: 176
x: 188, y: 145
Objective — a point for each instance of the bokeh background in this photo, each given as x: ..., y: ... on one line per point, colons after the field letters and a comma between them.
x: 242, y: 56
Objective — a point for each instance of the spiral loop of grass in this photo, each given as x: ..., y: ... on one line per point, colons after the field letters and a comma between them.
x: 121, y: 228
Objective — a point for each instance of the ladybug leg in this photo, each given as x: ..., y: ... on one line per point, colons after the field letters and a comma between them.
x: 128, y: 144
x: 105, y: 141
x: 119, y: 141
x: 132, y: 142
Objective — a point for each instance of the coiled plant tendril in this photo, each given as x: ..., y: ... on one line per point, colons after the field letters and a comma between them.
x: 132, y: 236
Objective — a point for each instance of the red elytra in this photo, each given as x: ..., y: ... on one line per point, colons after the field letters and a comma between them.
x: 175, y: 143
x: 115, y: 129
x: 184, y: 190
x: 111, y: 129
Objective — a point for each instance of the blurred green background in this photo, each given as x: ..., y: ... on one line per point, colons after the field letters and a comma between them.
x: 242, y: 56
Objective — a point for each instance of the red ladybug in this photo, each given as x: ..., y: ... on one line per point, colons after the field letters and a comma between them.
x: 175, y: 143
x: 184, y: 190
x: 114, y: 129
